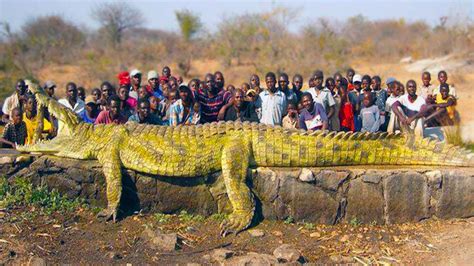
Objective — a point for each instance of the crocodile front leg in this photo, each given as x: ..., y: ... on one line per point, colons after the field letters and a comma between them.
x: 235, y: 162
x: 111, y: 166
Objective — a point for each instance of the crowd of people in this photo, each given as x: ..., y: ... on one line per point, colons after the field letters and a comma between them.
x: 352, y: 102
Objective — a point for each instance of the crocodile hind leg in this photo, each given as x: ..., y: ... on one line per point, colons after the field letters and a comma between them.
x: 111, y: 166
x: 235, y: 162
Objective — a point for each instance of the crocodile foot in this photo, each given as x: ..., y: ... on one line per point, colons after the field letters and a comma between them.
x: 236, y: 222
x: 108, y: 214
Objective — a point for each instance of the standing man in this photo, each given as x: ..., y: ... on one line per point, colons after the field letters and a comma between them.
x: 350, y: 75
x: 271, y: 103
x: 17, y: 99
x: 211, y: 100
x: 283, y: 85
x: 255, y: 83
x: 166, y: 72
x: 220, y: 81
x: 72, y: 100
x: 322, y: 95
x: 297, y: 86
x: 153, y: 86
x: 136, y: 81
x: 143, y: 115
x: 113, y: 115
x: 241, y: 110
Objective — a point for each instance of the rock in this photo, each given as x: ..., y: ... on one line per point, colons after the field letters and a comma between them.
x: 331, y: 180
x: 456, y: 198
x: 252, y: 258
x: 113, y: 255
x: 277, y: 233
x: 365, y: 202
x: 287, y: 253
x: 373, y: 178
x: 6, y: 160
x: 406, y: 198
x: 221, y: 254
x: 158, y: 240
x: 256, y: 233
x: 406, y: 60
x: 434, y: 178
x: 315, y: 235
x: 344, y: 238
x: 304, y: 201
x: 306, y: 175
x: 35, y: 261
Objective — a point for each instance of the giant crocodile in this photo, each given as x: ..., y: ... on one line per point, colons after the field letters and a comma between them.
x: 232, y: 147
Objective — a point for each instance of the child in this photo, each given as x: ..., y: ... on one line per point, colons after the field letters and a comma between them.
x: 369, y: 114
x: 291, y: 119
x: 14, y: 132
x: 166, y: 104
x: 346, y: 113
x: 32, y: 121
x: 154, y: 105
x: 445, y: 105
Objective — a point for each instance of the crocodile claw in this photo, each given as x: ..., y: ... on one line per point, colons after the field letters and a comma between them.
x: 235, y: 223
x: 108, y: 214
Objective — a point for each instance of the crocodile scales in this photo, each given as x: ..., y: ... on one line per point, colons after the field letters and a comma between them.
x: 232, y: 147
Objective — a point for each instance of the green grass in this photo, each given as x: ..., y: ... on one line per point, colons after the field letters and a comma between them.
x: 355, y: 222
x: 23, y: 193
x: 289, y: 220
x: 162, y: 218
x: 186, y: 217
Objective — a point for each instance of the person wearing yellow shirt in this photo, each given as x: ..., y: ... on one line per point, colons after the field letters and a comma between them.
x: 31, y: 120
x: 445, y: 106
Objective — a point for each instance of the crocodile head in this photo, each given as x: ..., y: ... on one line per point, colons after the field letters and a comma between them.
x: 63, y: 114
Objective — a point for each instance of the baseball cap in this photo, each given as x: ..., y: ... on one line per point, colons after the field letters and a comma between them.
x: 357, y: 78
x: 89, y: 99
x: 135, y: 72
x: 152, y: 74
x: 390, y: 80
x: 49, y: 84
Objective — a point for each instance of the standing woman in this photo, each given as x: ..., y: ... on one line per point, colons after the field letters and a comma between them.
x: 183, y: 112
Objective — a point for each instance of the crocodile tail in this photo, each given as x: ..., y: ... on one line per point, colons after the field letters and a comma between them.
x: 406, y: 149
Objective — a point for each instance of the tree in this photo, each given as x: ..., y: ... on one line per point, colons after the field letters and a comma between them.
x: 115, y: 18
x: 51, y: 37
x: 189, y: 24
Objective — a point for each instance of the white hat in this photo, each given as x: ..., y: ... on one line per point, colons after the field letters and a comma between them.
x: 152, y: 74
x: 135, y: 72
x: 357, y: 78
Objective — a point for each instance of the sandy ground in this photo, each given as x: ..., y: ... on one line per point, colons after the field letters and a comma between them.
x: 80, y: 238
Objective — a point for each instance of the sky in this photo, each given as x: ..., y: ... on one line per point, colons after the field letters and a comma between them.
x: 160, y: 14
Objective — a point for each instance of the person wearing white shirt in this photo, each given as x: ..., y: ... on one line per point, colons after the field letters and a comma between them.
x: 426, y: 89
x: 322, y: 95
x: 443, y: 78
x: 407, y: 112
x: 72, y: 102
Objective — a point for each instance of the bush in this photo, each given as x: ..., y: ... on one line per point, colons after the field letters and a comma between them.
x: 23, y: 193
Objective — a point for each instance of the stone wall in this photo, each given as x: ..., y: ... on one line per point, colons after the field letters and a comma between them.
x: 328, y: 196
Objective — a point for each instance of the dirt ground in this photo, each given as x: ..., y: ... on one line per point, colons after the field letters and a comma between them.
x: 80, y: 238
